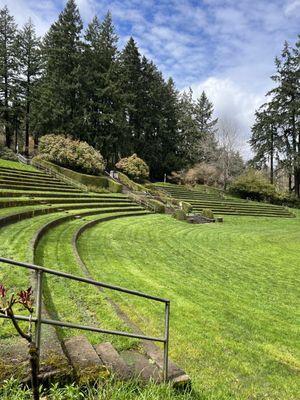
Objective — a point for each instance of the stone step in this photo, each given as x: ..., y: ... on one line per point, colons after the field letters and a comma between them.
x: 84, y: 359
x: 142, y: 367
x: 113, y: 361
x: 176, y: 375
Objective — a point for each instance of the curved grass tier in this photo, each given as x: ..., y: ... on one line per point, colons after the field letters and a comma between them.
x: 37, y: 224
x: 233, y: 287
x: 220, y: 205
x: 234, y: 291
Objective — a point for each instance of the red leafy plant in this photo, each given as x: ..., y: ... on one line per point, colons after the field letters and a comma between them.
x: 8, y: 300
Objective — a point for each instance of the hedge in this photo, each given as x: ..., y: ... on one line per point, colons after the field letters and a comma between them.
x: 180, y: 215
x: 157, y: 206
x: 187, y: 207
x: 207, y: 213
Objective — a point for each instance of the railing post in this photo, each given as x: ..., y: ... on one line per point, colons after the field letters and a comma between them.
x: 38, y: 324
x: 166, y: 342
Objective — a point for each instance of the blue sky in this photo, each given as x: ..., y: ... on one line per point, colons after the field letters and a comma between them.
x: 225, y: 47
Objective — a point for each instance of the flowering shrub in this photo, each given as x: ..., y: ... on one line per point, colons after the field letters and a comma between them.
x: 74, y: 154
x: 134, y: 167
x: 202, y: 173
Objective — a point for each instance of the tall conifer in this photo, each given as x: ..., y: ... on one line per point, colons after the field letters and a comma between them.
x: 8, y: 71
x: 30, y: 68
x: 60, y: 90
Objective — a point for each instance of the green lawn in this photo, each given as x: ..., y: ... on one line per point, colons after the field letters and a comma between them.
x: 17, y: 165
x: 234, y: 290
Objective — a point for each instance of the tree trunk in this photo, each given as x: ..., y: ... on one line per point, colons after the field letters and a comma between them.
x: 290, y: 182
x: 272, y: 159
x: 27, y: 116
x: 6, y: 116
x: 36, y: 141
x: 297, y: 182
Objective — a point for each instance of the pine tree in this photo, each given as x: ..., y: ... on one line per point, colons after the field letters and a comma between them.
x: 170, y: 136
x: 60, y: 102
x: 198, y: 128
x: 276, y: 131
x: 103, y: 96
x: 205, y: 140
x: 264, y: 139
x: 8, y: 71
x: 187, y: 127
x: 155, y: 137
x: 131, y: 78
x: 285, y: 98
x: 30, y: 68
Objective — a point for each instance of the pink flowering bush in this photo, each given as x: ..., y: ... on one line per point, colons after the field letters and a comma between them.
x: 134, y: 167
x: 74, y: 154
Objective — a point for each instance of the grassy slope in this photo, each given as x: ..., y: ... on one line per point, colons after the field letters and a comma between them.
x: 86, y: 305
x: 234, y: 289
x: 15, y: 243
x: 17, y: 165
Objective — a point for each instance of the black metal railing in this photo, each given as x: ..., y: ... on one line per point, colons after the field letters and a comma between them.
x: 39, y: 320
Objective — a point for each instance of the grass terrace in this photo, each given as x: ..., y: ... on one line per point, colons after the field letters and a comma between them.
x: 234, y: 292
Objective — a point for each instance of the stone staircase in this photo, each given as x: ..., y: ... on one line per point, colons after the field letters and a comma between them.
x: 89, y: 361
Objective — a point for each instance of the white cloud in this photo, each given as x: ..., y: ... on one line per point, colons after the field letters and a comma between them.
x: 232, y: 102
x: 42, y: 14
x: 87, y: 8
x: 292, y: 7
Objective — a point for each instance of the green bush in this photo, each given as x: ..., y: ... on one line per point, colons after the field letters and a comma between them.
x: 206, y: 213
x: 74, y: 154
x: 180, y: 215
x: 253, y: 185
x: 157, y: 206
x: 114, y: 187
x: 7, y: 154
x: 187, y: 207
x: 134, y: 167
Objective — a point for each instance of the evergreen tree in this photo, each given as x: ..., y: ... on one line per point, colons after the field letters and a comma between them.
x: 157, y: 139
x: 187, y: 126
x: 276, y: 131
x: 104, y: 100
x: 60, y: 101
x: 198, y: 128
x: 30, y: 68
x: 285, y: 99
x: 204, y: 116
x: 171, y: 138
x: 205, y: 142
x: 264, y: 139
x: 131, y: 80
x: 8, y: 71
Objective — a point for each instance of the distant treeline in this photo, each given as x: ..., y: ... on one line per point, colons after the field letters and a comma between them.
x: 75, y: 81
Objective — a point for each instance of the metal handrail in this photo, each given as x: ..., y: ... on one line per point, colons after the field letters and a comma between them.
x: 38, y: 320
